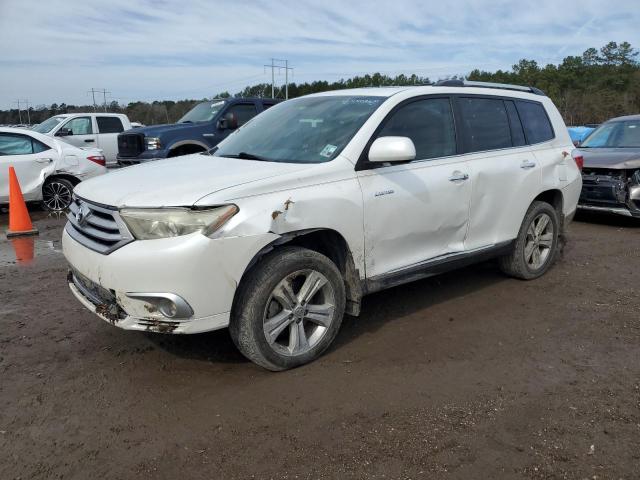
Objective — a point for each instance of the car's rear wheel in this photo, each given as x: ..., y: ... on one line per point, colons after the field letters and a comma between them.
x: 288, y: 309
x: 57, y: 194
x: 537, y: 243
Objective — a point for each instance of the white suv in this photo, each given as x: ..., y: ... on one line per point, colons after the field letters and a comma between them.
x: 320, y: 200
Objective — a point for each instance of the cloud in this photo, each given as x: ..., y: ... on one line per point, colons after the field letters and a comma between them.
x: 56, y: 50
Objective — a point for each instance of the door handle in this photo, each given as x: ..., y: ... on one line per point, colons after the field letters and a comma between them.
x: 44, y: 160
x: 458, y: 176
x: 89, y: 140
x: 527, y: 164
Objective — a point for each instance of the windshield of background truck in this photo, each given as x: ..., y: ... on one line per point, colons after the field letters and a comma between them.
x: 203, y: 112
x: 48, y: 125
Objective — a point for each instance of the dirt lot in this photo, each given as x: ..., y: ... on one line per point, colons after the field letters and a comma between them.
x: 466, y: 375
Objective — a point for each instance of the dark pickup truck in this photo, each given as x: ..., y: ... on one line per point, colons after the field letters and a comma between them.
x: 203, y: 127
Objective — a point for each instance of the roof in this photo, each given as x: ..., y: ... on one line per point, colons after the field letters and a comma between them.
x: 625, y: 117
x: 476, y: 89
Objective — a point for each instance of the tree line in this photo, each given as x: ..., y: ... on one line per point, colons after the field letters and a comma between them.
x: 590, y: 88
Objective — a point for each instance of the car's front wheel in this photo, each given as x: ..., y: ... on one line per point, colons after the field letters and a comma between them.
x: 537, y: 243
x: 57, y: 194
x: 288, y: 309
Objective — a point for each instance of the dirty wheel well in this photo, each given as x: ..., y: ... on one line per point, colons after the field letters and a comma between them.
x: 553, y: 198
x: 185, y: 150
x: 332, y: 245
x: 74, y: 181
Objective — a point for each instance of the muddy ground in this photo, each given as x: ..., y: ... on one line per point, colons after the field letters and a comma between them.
x: 466, y: 375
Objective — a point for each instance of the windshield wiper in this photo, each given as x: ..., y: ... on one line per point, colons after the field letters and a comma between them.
x: 246, y: 156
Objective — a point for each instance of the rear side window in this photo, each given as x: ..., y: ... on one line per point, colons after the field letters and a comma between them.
x: 109, y: 125
x: 20, y: 145
x: 428, y: 123
x: 244, y: 112
x: 536, y: 124
x: 485, y: 124
x: 517, y: 133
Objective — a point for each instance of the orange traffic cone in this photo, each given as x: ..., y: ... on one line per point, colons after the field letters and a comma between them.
x: 19, y: 221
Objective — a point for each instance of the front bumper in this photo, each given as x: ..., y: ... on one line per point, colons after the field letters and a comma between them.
x: 204, y: 272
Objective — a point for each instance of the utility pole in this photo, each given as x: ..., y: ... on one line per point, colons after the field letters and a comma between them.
x: 280, y: 67
x: 26, y: 101
x: 19, y: 113
x: 104, y: 92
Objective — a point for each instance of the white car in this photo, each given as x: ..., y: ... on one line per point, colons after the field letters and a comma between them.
x: 47, y: 169
x: 319, y: 201
x: 98, y: 130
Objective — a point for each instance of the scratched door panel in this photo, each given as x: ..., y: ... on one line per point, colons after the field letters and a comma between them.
x: 413, y: 212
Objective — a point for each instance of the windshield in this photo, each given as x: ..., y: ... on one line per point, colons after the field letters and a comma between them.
x: 48, y: 125
x: 203, y: 112
x: 622, y: 134
x: 303, y: 130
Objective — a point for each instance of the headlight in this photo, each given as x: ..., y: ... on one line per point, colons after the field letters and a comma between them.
x: 150, y: 223
x: 153, y: 143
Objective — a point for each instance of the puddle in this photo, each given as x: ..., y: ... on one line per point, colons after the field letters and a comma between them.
x: 26, y: 250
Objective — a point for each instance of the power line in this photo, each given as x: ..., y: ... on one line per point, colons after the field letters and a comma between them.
x: 280, y: 67
x: 25, y: 101
x: 104, y: 92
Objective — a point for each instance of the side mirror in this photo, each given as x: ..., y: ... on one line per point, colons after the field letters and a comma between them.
x: 64, y: 132
x: 392, y: 149
x: 228, y: 122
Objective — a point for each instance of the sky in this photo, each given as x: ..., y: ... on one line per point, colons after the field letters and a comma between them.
x: 57, y: 50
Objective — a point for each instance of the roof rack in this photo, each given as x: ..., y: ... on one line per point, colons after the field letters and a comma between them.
x: 501, y: 86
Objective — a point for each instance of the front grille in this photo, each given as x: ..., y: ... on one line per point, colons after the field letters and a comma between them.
x: 96, y: 227
x: 603, y: 187
x: 130, y: 144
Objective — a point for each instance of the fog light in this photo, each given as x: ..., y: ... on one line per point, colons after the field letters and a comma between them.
x: 167, y: 308
x: 168, y: 304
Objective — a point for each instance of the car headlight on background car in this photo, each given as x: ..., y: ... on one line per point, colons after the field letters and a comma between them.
x: 152, y: 223
x: 153, y: 143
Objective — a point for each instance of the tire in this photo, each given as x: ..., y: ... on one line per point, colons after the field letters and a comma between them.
x: 522, y: 262
x: 57, y: 194
x: 271, y: 299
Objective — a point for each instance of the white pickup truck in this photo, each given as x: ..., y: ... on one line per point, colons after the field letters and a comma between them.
x: 99, y: 130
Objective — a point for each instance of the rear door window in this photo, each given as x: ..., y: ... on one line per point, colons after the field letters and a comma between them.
x: 535, y: 121
x: 15, y: 144
x: 428, y: 123
x: 109, y: 125
x: 243, y: 112
x: 485, y: 124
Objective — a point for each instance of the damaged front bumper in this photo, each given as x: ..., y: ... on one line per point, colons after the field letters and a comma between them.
x: 175, y: 285
x: 611, y: 191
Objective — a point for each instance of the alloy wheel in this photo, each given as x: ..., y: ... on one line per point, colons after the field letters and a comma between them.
x: 299, y: 312
x: 56, y: 196
x: 539, y: 241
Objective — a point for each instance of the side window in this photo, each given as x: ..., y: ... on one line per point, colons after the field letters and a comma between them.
x: 79, y: 126
x: 485, y: 124
x: 536, y: 124
x: 39, y: 147
x: 517, y: 133
x: 109, y: 125
x: 266, y: 105
x: 244, y: 112
x: 428, y: 123
x: 15, y: 145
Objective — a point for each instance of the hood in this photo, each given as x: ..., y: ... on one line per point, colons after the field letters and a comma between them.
x: 158, y: 130
x: 616, y: 158
x: 179, y: 181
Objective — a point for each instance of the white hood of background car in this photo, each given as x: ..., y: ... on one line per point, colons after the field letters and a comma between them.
x: 179, y: 181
